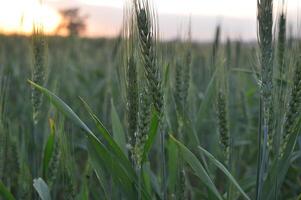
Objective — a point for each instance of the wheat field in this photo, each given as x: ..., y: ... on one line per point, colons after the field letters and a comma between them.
x: 137, y: 117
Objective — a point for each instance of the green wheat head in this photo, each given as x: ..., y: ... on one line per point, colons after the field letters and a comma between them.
x: 216, y: 46
x: 132, y: 99
x: 143, y: 126
x: 39, y: 48
x: 132, y: 94
x: 147, y: 34
x: 281, y: 43
x: 265, y: 40
x: 293, y: 107
x: 223, y: 126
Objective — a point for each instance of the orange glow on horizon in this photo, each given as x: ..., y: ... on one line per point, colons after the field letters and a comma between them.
x: 19, y: 16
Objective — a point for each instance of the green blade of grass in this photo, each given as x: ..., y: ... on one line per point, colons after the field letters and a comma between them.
x: 153, y: 180
x: 173, y: 160
x: 166, y: 75
x: 101, y: 157
x: 280, y: 168
x: 225, y: 171
x: 63, y: 107
x: 209, y: 95
x: 100, y: 174
x: 118, y: 131
x: 5, y: 193
x: 68, y: 112
x: 119, y: 157
x: 151, y: 135
x: 116, y: 150
x: 113, y: 146
x: 197, y: 167
x: 120, y: 161
x: 49, y: 148
x: 42, y: 188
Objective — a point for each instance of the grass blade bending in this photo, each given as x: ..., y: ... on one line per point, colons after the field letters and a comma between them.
x: 126, y: 174
x: 197, y: 167
x: 225, y: 171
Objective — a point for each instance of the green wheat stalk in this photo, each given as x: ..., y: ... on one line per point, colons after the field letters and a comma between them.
x: 147, y: 35
x: 265, y: 40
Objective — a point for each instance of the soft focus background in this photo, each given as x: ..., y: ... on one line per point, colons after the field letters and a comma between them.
x: 104, y: 17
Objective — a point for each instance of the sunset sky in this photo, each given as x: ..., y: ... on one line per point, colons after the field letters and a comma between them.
x: 237, y: 17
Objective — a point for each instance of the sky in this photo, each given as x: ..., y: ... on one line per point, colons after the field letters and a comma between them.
x: 237, y: 17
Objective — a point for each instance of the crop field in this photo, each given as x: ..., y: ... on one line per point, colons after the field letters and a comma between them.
x: 137, y: 117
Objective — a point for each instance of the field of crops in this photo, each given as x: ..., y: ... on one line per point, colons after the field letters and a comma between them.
x: 136, y: 117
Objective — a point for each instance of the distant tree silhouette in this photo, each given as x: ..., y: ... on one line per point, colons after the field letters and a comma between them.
x: 72, y: 22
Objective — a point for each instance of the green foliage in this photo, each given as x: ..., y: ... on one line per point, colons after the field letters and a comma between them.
x: 197, y: 167
x: 49, y: 148
x: 5, y: 193
x: 119, y: 134
x: 225, y: 171
x: 117, y: 147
